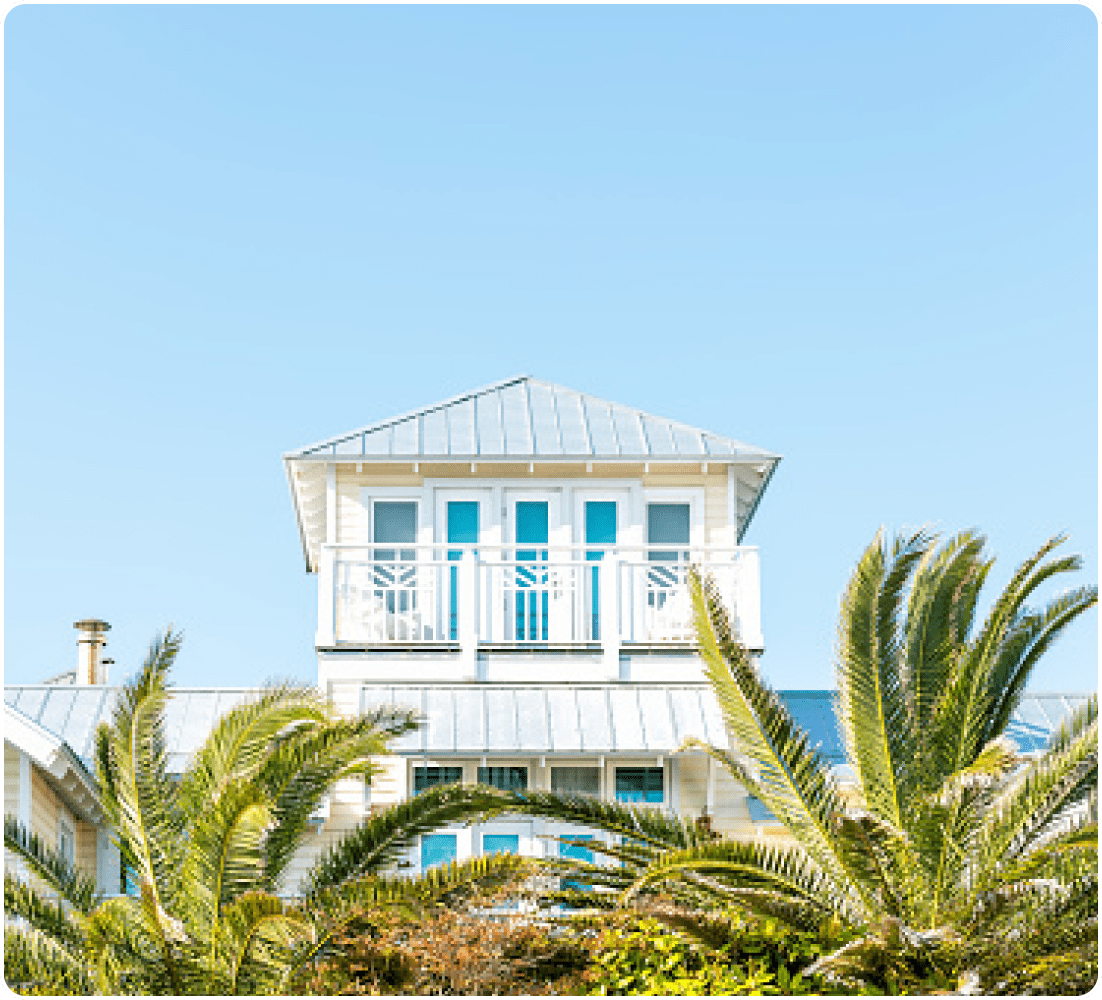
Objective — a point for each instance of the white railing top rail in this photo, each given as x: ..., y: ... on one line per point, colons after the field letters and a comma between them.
x: 678, y: 547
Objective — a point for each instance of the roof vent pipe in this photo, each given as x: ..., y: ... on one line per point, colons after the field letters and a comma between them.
x: 91, y: 669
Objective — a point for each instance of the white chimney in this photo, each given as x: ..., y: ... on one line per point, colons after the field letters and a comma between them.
x: 91, y: 669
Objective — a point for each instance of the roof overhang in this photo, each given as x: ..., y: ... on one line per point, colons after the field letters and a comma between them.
x: 61, y: 768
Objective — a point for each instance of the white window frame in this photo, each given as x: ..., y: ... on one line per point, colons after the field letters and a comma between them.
x: 692, y: 495
x: 65, y: 826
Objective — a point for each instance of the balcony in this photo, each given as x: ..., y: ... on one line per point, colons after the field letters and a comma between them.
x: 475, y: 596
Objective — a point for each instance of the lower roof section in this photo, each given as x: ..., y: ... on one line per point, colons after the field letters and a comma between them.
x: 560, y: 719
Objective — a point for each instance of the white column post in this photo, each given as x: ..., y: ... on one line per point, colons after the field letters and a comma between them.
x: 466, y: 607
x: 609, y: 604
x: 710, y: 801
x: 327, y: 632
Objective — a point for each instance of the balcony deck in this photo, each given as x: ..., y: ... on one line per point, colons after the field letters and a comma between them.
x: 484, y: 597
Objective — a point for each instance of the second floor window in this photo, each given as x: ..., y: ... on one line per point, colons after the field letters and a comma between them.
x: 576, y: 780
x: 428, y: 777
x: 509, y: 778
x: 639, y: 784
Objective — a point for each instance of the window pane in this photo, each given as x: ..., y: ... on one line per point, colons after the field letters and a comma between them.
x: 575, y: 851
x: 668, y: 524
x: 532, y: 522
x: 500, y: 843
x: 509, y: 778
x: 759, y: 811
x: 427, y: 777
x: 576, y: 780
x: 600, y: 522
x: 437, y: 849
x: 639, y: 784
x: 463, y: 521
x: 395, y: 522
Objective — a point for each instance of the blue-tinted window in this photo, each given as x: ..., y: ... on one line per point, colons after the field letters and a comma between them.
x: 500, y: 843
x: 509, y: 778
x: 463, y: 521
x: 759, y: 811
x: 600, y: 522
x: 428, y: 777
x: 639, y: 784
x: 600, y: 529
x: 395, y: 521
x: 668, y: 524
x: 531, y: 584
x: 576, y: 852
x: 437, y: 849
x: 532, y: 522
x: 462, y: 530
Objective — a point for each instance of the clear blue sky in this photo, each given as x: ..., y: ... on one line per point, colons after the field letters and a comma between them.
x: 863, y: 237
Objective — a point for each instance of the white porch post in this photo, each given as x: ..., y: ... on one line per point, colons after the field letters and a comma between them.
x: 609, y: 577
x: 326, y: 635
x: 466, y: 608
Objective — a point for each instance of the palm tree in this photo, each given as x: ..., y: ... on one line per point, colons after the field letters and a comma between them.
x: 948, y: 847
x: 208, y: 850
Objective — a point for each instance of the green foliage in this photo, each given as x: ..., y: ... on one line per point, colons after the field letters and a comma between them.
x: 208, y: 849
x: 749, y: 957
x: 950, y: 848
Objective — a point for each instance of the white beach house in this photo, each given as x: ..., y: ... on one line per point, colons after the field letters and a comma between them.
x: 511, y: 564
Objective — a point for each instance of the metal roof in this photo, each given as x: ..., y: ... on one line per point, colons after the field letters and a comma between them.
x: 72, y: 712
x: 521, y: 719
x: 501, y: 719
x: 528, y: 418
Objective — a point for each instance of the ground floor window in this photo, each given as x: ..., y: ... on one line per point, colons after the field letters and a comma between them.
x: 509, y: 778
x: 437, y: 849
x: 576, y: 852
x: 500, y: 843
x: 427, y: 777
x: 639, y: 784
x: 576, y: 780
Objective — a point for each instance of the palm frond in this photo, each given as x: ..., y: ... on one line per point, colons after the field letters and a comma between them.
x: 792, y: 779
x: 1026, y: 641
x: 68, y: 881
x: 35, y: 962
x: 258, y: 936
x: 376, y: 842
x: 876, y: 720
x: 23, y: 900
x: 1045, y: 790
x: 138, y: 796
x: 939, y: 610
x: 961, y: 721
x: 224, y: 851
x: 649, y: 827
x: 300, y: 769
x: 734, y: 866
x: 240, y: 742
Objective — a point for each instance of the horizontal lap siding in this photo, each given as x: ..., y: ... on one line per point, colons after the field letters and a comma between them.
x: 731, y: 813
x: 86, y: 848
x: 11, y: 780
x: 44, y: 810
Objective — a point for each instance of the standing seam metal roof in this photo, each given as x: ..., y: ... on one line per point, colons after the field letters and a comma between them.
x: 524, y: 417
x: 518, y: 720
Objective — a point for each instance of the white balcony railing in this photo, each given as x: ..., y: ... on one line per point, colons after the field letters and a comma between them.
x: 470, y: 595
